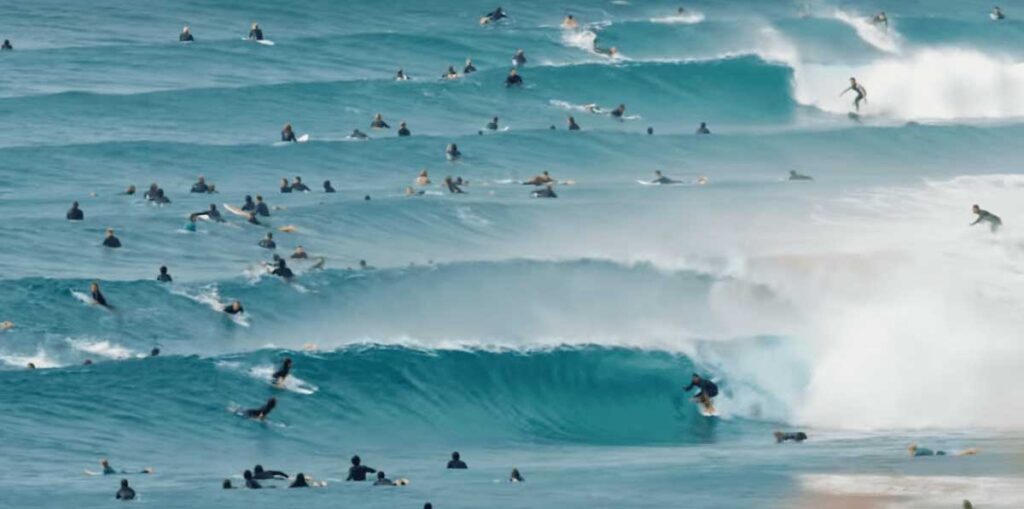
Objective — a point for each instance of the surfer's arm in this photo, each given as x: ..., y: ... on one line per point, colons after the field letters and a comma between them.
x: 688, y: 387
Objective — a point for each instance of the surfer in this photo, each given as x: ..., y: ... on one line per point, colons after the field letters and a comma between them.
x: 358, y: 135
x: 251, y: 219
x: 281, y: 270
x: 423, y: 179
x: 211, y: 213
x: 379, y: 123
x: 450, y: 74
x: 661, y: 179
x: 452, y: 152
x: 75, y: 213
x: 250, y: 482
x: 164, y: 276
x: 130, y: 191
x: 299, y: 254
x: 707, y: 388
x: 382, y: 480
x: 495, y: 15
x: 7, y: 45
x: 916, y: 451
x: 268, y: 242
x: 403, y: 129
x: 985, y: 216
x: 285, y: 186
x: 259, y: 473
x: 299, y: 186
x: 881, y: 19
x: 452, y: 186
x: 547, y: 192
x: 358, y: 471
x: 786, y: 436
x: 364, y: 266
x: 456, y: 462
x: 262, y: 412
x: 235, y: 308
x: 261, y: 207
x: 570, y: 23
x: 328, y: 188
x: 611, y: 52
x: 256, y: 33
x: 281, y: 374
x: 703, y: 129
x: 185, y: 35
x: 515, y: 476
x: 469, y: 67
x: 109, y: 470
x: 200, y: 186
x: 227, y: 485
x: 857, y: 88
x: 97, y: 295
x: 401, y: 76
x: 287, y: 134
x: 519, y: 58
x: 539, y: 180
x: 110, y: 240
x: 159, y: 198
x: 126, y: 492
x: 793, y: 175
x: 997, y: 13
x: 248, y: 206
x: 493, y: 124
x: 619, y: 112
x: 513, y: 79
x: 300, y: 481
x: 573, y: 126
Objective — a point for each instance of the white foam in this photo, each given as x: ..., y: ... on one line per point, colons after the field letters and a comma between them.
x: 880, y: 37
x: 102, y: 348
x: 687, y: 18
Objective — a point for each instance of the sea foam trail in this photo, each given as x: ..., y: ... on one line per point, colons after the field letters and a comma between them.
x: 882, y: 38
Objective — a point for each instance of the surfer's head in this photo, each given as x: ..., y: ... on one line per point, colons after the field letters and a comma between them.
x: 695, y: 378
x: 94, y: 287
x: 258, y: 469
x: 356, y: 460
x: 247, y: 475
x: 227, y: 484
x: 288, y: 360
x: 271, y: 403
x: 976, y: 208
x: 455, y: 456
x: 124, y: 483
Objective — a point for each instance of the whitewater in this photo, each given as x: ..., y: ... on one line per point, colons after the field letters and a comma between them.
x: 550, y: 335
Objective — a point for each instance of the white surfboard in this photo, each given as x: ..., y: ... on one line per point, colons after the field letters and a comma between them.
x: 265, y: 42
x: 303, y: 139
x: 236, y: 211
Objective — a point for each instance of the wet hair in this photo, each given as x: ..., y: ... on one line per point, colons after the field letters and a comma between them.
x: 356, y: 460
x: 455, y: 455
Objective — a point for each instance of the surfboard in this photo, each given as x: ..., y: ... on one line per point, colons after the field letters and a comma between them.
x: 287, y: 229
x: 303, y: 139
x: 994, y: 16
x: 649, y: 183
x: 707, y: 410
x: 236, y: 211
x: 265, y: 42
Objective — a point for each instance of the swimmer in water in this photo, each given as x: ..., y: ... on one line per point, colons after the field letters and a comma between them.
x: 493, y: 124
x: 75, y: 213
x: 160, y: 198
x: 261, y: 207
x: 300, y: 481
x: 249, y: 205
x: 281, y: 374
x: 515, y: 476
x: 211, y: 213
x: 151, y: 193
x: 251, y: 219
x: 573, y: 126
x: 793, y: 175
x: 456, y: 462
x: 262, y: 412
x: 358, y: 471
x: 281, y: 270
x: 110, y: 240
x: 881, y: 19
x: 401, y: 76
x: 358, y: 135
x: 382, y: 480
x: 513, y: 79
x: 262, y: 475
x: 7, y: 45
x: 997, y: 13
x: 97, y: 295
x: 423, y: 179
x: 256, y: 33
x: 540, y: 180
x: 798, y: 436
x: 328, y: 188
x: 130, y: 191
x: 619, y: 112
x: 547, y: 192
x: 611, y: 52
x: 469, y: 67
x: 570, y: 23
x: 703, y: 129
x: 857, y: 88
x: 286, y: 187
x: 661, y: 179
x: 235, y: 308
x: 298, y: 186
x: 287, y: 134
x: 450, y: 74
x: 519, y: 59
x: 452, y: 152
x: 452, y: 186
x: 403, y: 129
x: 200, y: 186
x: 227, y: 485
x: 495, y: 15
x: 155, y: 352
x: 126, y: 492
x: 250, y: 482
x: 379, y: 123
x: 268, y: 242
x: 164, y: 276
x: 984, y: 216
x: 185, y: 35
x: 299, y: 254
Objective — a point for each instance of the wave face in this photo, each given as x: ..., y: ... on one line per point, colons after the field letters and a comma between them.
x: 860, y: 305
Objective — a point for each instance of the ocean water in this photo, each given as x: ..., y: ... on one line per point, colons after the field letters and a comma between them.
x: 553, y: 336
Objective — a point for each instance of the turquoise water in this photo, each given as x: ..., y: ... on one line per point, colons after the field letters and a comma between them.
x: 549, y: 335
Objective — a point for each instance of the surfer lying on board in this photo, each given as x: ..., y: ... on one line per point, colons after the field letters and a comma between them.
x: 707, y: 388
x: 109, y: 470
x: 280, y: 375
x: 857, y: 88
x: 262, y: 412
x: 211, y: 213
x: 661, y: 179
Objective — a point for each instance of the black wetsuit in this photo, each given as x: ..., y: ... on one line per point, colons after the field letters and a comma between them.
x: 453, y: 187
x: 288, y: 136
x: 213, y: 214
x: 573, y: 126
x: 252, y: 484
x: 76, y: 214
x: 468, y: 69
x: 112, y: 242
x: 513, y: 80
x: 200, y: 187
x: 259, y: 413
x: 185, y: 37
x: 707, y: 388
x: 496, y: 14
x: 457, y: 465
x: 283, y: 271
x: 328, y: 188
x: 282, y: 373
x: 164, y: 278
x: 544, y: 193
x: 7, y: 46
x: 269, y: 474
x: 125, y: 493
x: 99, y: 299
x: 358, y: 472
x: 286, y: 188
x: 492, y: 125
x: 618, y: 112
x: 232, y: 311
x: 404, y: 131
x: 256, y: 33
x: 379, y: 124
x: 300, y: 187
x: 249, y: 205
x: 262, y: 209
x: 300, y: 482
x: 268, y: 244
